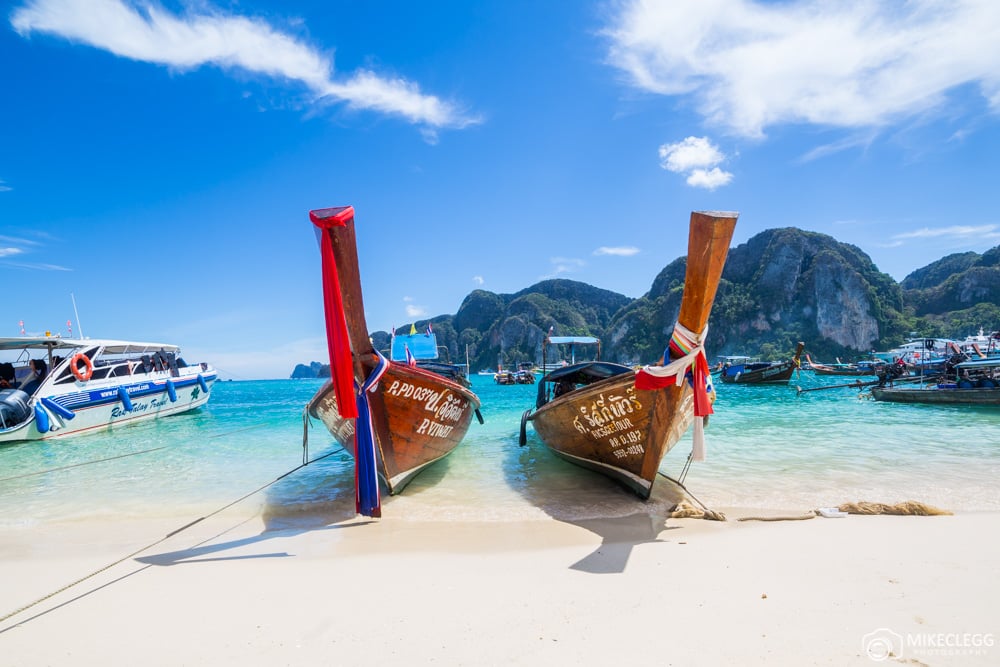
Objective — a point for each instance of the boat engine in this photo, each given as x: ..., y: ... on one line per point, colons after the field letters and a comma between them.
x: 13, y: 407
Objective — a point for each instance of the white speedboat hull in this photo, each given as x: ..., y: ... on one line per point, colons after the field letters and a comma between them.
x: 122, y: 389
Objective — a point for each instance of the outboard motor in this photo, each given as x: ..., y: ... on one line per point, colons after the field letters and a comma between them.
x: 14, y: 408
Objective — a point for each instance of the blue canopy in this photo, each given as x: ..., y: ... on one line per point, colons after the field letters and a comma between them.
x: 422, y: 346
x: 569, y: 340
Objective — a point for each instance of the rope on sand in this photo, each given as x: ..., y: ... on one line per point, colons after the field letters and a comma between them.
x: 905, y: 508
x: 683, y: 510
x: 135, y: 553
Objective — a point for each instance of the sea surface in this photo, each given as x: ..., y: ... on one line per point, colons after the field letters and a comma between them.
x: 769, y: 447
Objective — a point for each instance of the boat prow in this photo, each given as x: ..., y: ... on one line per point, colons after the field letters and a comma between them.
x: 605, y: 416
x: 394, y: 418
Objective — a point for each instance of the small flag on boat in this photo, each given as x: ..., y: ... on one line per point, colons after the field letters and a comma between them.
x: 410, y: 361
x: 69, y: 327
x: 413, y: 329
x: 21, y: 324
x: 429, y: 331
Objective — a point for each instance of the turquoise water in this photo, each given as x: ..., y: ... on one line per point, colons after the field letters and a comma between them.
x: 768, y: 447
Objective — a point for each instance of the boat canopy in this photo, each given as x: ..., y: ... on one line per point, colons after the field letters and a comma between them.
x: 573, y: 340
x: 584, y: 373
x: 57, y: 343
x: 979, y: 364
x: 422, y: 346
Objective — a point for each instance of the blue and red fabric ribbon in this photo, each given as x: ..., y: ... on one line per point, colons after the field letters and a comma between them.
x: 352, y: 399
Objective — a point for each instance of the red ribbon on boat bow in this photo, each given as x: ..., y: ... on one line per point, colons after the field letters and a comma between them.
x: 337, y: 339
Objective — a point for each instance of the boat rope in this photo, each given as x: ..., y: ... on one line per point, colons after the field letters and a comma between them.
x: 684, y: 510
x: 149, y: 546
x: 112, y: 458
x: 77, y: 465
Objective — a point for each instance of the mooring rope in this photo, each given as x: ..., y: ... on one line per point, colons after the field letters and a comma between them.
x: 120, y: 456
x: 77, y: 465
x: 682, y: 510
x: 159, y: 541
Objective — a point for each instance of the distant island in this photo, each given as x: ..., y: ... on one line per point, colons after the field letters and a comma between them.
x: 313, y: 370
x: 780, y: 287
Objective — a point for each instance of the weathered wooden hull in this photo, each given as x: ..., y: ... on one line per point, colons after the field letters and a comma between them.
x: 418, y: 418
x: 615, y: 429
x: 609, y: 425
x: 938, y: 396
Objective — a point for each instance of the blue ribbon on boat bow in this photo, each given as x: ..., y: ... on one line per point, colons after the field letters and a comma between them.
x: 367, y: 499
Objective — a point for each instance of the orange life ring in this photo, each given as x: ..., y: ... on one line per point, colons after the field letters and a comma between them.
x: 86, y: 372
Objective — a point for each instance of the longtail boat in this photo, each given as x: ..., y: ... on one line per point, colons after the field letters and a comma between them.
x: 394, y: 418
x: 739, y: 371
x: 621, y: 422
x: 859, y: 369
x: 969, y: 382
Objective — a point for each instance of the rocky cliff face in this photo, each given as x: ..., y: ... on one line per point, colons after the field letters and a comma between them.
x: 781, y: 286
x: 955, y: 282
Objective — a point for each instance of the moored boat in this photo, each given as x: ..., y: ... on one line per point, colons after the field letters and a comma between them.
x: 743, y: 370
x: 858, y: 369
x: 972, y: 382
x: 621, y: 422
x: 53, y: 387
x: 394, y: 418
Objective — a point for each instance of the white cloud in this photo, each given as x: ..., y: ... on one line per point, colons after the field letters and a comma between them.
x: 151, y: 34
x: 4, y: 187
x: 8, y: 252
x: 621, y: 251
x: 37, y: 267
x: 748, y: 65
x: 562, y: 265
x: 709, y: 178
x: 415, y: 311
x: 955, y: 231
x: 692, y: 153
x: 693, y: 156
x: 478, y: 280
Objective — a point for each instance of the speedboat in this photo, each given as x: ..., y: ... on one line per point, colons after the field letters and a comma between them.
x: 52, y: 387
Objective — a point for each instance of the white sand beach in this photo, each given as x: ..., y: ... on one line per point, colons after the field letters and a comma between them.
x: 633, y: 590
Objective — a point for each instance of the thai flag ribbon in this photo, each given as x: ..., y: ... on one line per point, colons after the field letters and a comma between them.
x: 691, y: 366
x: 337, y: 340
x: 367, y: 500
x: 410, y: 359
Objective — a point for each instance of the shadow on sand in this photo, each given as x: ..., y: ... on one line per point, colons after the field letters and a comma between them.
x: 583, y: 498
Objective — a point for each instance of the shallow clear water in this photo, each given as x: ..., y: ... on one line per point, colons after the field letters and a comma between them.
x: 768, y: 447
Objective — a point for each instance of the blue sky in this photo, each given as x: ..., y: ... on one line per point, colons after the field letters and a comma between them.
x: 158, y: 159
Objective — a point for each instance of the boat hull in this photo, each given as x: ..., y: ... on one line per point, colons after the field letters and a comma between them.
x: 938, y: 396
x: 615, y: 429
x: 418, y: 418
x: 98, y: 406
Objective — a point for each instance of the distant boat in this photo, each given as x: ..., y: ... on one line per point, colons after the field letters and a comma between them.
x: 403, y: 418
x: 972, y: 382
x: 744, y: 370
x: 606, y: 416
x: 858, y: 369
x: 88, y: 385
